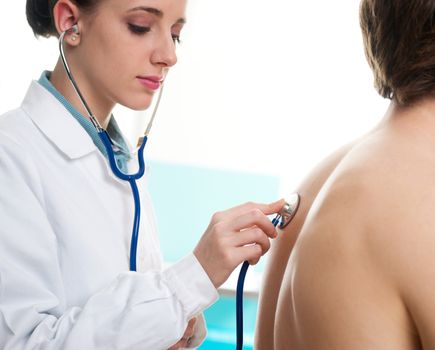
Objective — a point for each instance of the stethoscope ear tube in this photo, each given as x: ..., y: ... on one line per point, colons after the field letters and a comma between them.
x: 94, y: 120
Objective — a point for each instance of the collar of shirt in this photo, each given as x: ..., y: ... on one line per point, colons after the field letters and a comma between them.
x: 122, y: 156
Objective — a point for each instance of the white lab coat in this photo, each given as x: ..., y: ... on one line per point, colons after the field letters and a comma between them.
x: 65, y: 227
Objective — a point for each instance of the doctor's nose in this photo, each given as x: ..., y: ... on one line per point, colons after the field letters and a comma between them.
x: 165, y: 54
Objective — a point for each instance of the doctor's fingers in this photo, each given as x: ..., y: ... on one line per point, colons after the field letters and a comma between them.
x: 189, y: 334
x: 252, y: 236
x: 249, y: 220
x: 251, y: 253
x: 190, y: 330
x: 232, y: 213
x: 184, y: 341
x: 181, y: 344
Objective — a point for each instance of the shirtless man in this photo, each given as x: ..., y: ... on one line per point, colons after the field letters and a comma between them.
x: 361, y: 275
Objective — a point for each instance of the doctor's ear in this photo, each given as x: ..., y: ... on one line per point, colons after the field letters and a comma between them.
x: 65, y: 17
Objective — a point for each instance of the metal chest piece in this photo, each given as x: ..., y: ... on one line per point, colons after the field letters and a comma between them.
x: 289, y: 210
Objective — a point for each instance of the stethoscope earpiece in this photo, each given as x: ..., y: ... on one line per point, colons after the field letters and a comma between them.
x: 74, y: 29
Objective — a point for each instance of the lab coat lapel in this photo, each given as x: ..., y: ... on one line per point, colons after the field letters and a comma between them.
x: 56, y: 122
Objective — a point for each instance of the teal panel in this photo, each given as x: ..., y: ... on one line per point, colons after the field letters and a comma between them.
x: 221, y: 324
x: 185, y: 197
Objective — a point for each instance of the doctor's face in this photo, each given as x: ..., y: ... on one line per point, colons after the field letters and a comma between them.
x: 127, y: 47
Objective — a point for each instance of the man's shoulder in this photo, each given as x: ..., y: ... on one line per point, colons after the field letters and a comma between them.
x: 377, y: 207
x: 379, y: 175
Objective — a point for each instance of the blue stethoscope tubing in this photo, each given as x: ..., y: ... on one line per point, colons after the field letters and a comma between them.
x: 131, y: 179
x: 239, y: 305
x: 239, y: 295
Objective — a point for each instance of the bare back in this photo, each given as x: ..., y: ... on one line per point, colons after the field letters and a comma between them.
x: 361, y: 274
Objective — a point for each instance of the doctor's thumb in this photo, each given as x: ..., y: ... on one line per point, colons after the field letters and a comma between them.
x: 273, y: 207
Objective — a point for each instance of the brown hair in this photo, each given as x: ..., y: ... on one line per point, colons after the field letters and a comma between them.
x: 399, y: 39
x: 40, y: 15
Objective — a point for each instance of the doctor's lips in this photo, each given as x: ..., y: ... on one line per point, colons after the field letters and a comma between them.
x: 151, y: 82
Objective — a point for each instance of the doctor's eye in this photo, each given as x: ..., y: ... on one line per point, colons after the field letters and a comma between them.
x: 138, y: 29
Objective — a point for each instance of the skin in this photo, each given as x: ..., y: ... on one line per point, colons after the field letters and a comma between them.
x: 106, y: 43
x: 183, y: 342
x: 360, y: 274
x: 117, y: 42
x: 282, y: 246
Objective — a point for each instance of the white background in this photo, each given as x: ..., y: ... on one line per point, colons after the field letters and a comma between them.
x: 268, y: 87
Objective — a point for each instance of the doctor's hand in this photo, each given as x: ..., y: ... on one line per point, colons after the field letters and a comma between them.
x: 184, y: 341
x: 235, y: 235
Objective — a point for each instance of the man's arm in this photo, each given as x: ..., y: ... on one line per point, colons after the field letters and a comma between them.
x: 282, y: 246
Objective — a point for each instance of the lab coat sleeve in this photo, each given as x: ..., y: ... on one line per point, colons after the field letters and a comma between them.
x: 135, y: 311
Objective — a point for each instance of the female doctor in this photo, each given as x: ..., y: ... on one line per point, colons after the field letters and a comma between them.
x: 65, y: 219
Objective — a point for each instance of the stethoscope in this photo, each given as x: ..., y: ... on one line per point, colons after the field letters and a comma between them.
x: 283, y: 218
x: 109, y: 144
